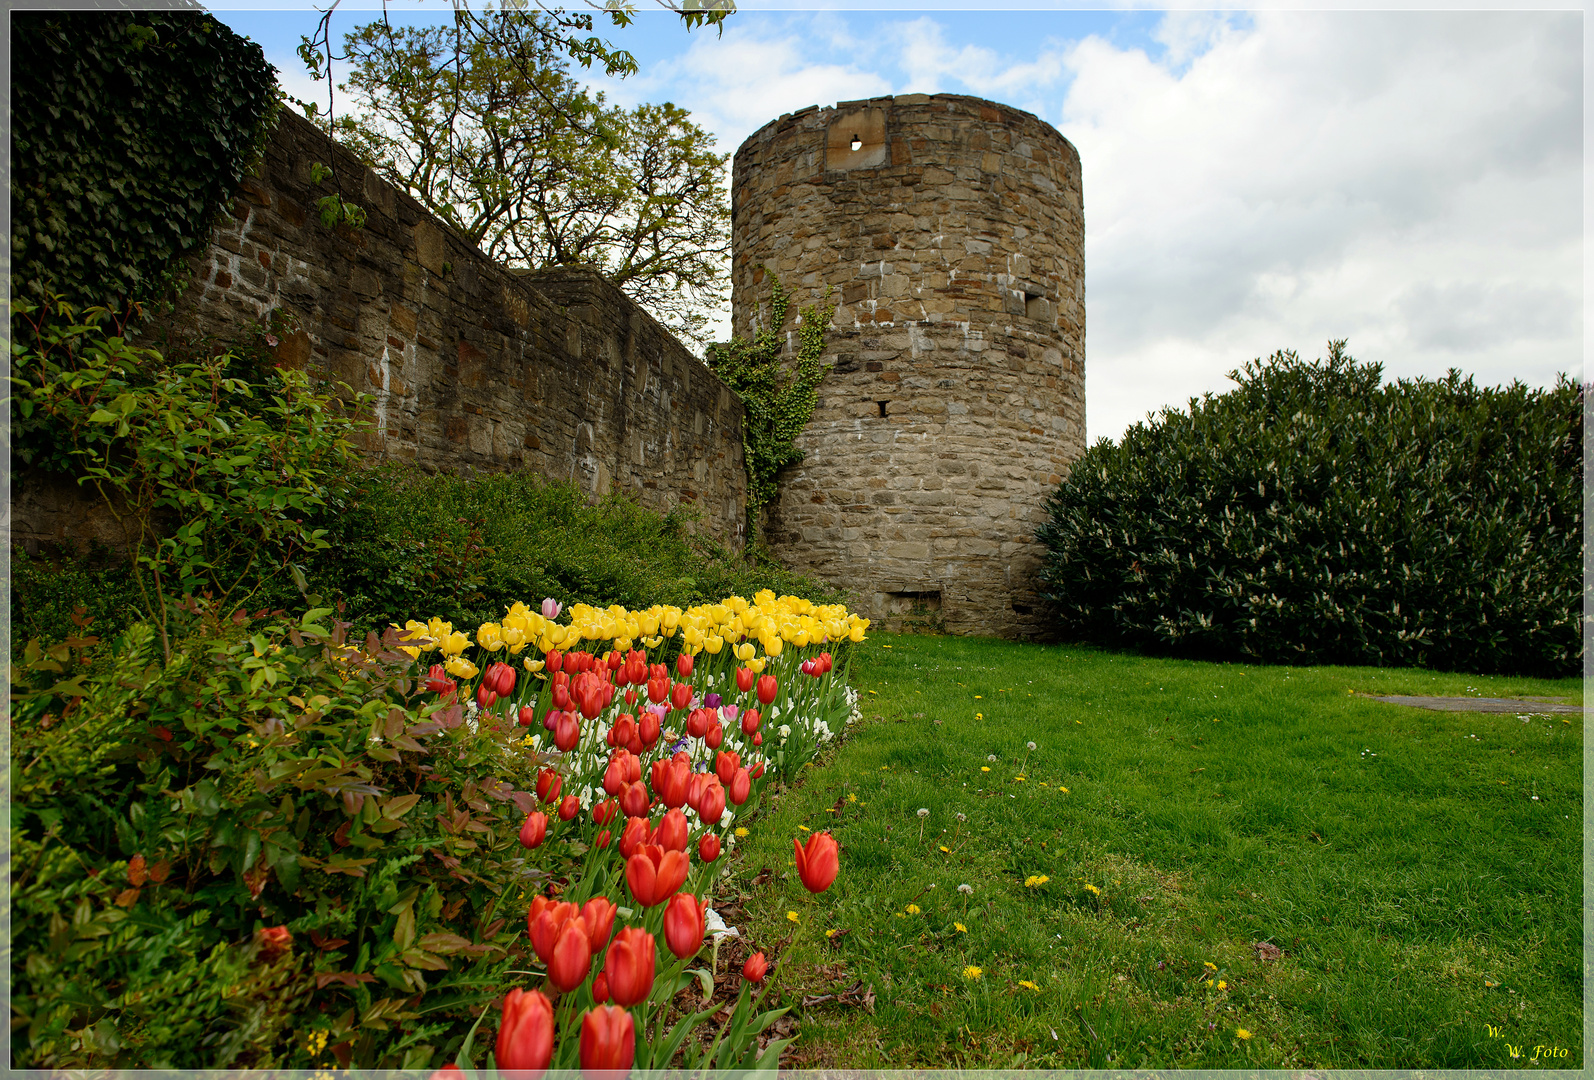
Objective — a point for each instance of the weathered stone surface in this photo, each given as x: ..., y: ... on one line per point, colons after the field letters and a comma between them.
x: 472, y: 365
x: 957, y: 400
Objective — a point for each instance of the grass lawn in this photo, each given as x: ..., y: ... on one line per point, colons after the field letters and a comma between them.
x: 1130, y: 877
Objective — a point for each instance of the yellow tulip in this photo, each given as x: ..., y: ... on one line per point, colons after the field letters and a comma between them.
x: 713, y: 643
x: 556, y: 634
x: 460, y: 667
x: 531, y: 665
x: 454, y: 643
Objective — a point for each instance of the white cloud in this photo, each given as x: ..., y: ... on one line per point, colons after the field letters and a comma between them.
x: 1409, y: 181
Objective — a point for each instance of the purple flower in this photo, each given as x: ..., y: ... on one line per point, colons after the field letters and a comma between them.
x: 711, y: 701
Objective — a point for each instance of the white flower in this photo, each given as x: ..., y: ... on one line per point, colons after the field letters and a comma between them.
x: 966, y: 889
x: 924, y: 811
x: 727, y: 817
x: 715, y: 927
x: 1030, y: 745
x: 961, y: 817
x: 784, y: 730
x: 990, y: 757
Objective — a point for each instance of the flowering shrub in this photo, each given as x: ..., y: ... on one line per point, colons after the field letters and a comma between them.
x: 283, y: 850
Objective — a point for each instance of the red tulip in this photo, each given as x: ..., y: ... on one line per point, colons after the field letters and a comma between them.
x: 630, y: 697
x: 758, y: 740
x: 614, y: 660
x: 809, y: 667
x: 598, y: 913
x: 547, y: 785
x: 680, y: 695
x: 602, y: 839
x: 600, y: 988
x: 825, y: 658
x: 608, y: 1039
x: 624, y: 730
x: 572, y: 956
x: 528, y: 713
x: 708, y: 848
x: 629, y: 966
x: 654, y: 874
x: 561, y: 697
x: 569, y: 808
x: 501, y: 677
x: 755, y: 968
x: 533, y: 831
x: 683, y: 665
x: 648, y: 729
x: 670, y: 783
x: 697, y: 722
x: 819, y: 863
x: 715, y: 736
x: 672, y: 832
x: 744, y: 679
x: 525, y: 1036
x: 437, y: 680
x: 757, y: 770
x: 567, y: 732
x: 683, y: 925
x: 486, y: 697
x: 712, y: 805
x: 741, y: 787
x: 695, y: 784
x: 658, y: 689
x: 554, y: 659
x: 725, y: 765
x: 614, y: 780
x: 450, y: 1071
x: 633, y: 836
x: 766, y: 688
x: 604, y: 812
x: 750, y: 721
x: 635, y: 800
x: 544, y: 922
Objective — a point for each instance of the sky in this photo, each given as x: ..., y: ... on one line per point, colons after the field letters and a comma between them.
x: 1411, y: 181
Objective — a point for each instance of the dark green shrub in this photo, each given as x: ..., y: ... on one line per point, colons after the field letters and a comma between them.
x: 268, y: 776
x: 404, y: 545
x: 1314, y: 515
x: 132, y: 130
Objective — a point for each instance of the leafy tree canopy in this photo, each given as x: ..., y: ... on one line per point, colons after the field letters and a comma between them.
x: 483, y: 123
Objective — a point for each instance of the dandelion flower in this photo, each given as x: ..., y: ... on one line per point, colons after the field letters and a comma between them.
x: 946, y: 849
x: 960, y: 928
x: 1209, y: 982
x: 791, y: 915
x: 962, y: 818
x: 830, y: 933
x: 924, y: 811
x: 1209, y: 965
x: 1030, y: 745
x: 1026, y: 984
x: 985, y: 768
x: 966, y: 889
x: 1091, y: 888
x: 990, y: 757
x: 1062, y: 789
x: 741, y: 831
x: 852, y: 796
x: 1242, y: 1033
x: 1018, y: 778
x: 979, y: 716
x: 972, y: 973
x: 1036, y: 880
x: 1222, y: 985
x: 912, y: 909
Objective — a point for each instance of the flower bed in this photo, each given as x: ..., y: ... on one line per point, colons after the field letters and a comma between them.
x: 611, y: 714
x: 280, y: 849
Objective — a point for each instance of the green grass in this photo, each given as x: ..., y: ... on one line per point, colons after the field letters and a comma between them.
x: 1396, y: 856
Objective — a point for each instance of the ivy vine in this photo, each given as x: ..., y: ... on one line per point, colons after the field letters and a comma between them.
x: 132, y: 131
x: 779, y: 398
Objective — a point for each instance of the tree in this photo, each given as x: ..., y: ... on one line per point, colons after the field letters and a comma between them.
x: 483, y: 123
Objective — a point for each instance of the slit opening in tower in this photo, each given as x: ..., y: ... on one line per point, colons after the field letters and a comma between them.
x: 1035, y: 306
x: 882, y: 405
x: 857, y: 144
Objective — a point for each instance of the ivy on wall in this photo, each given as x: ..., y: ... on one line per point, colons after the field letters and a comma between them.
x: 131, y: 132
x: 779, y: 403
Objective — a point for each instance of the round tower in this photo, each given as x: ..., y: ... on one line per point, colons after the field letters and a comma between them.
x: 951, y: 232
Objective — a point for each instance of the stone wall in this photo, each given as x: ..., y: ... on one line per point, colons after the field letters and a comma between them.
x: 470, y: 365
x: 951, y: 233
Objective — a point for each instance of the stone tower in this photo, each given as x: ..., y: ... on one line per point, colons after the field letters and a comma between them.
x: 951, y: 231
